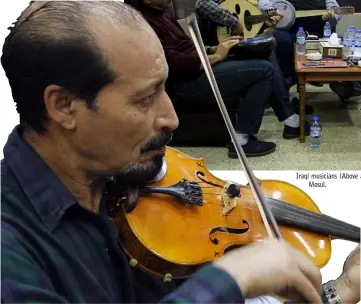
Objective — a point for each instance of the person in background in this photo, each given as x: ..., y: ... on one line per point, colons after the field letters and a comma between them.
x: 209, y: 11
x: 287, y: 38
x: 254, y: 82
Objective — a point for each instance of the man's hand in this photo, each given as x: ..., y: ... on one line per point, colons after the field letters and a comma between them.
x: 327, y: 16
x: 224, y: 47
x: 274, y: 19
x: 273, y: 267
x: 348, y: 284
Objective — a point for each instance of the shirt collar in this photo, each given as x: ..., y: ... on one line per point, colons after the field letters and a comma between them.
x: 48, y: 195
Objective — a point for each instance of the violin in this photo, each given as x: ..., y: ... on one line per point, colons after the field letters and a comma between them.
x: 190, y: 217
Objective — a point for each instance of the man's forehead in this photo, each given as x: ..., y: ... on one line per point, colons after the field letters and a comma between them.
x: 135, y: 55
x: 124, y: 45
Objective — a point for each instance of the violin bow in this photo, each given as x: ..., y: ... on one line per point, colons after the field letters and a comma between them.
x: 185, y: 9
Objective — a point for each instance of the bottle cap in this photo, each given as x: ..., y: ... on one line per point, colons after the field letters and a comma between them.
x: 300, y: 28
x: 315, y: 118
x: 327, y: 22
x: 359, y: 31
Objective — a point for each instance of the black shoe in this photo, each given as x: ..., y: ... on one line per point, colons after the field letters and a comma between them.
x: 296, y: 105
x: 344, y: 90
x: 253, y: 148
x: 290, y: 133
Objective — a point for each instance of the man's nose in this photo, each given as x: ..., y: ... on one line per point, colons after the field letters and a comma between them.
x: 168, y: 118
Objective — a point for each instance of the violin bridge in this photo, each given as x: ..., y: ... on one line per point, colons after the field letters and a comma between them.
x: 228, y: 203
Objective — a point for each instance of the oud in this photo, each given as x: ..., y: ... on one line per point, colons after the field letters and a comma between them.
x: 252, y: 19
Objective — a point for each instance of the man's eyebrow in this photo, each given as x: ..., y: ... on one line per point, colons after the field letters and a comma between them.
x: 151, y: 87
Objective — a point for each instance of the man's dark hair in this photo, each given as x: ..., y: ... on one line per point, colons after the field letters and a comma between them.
x: 53, y: 42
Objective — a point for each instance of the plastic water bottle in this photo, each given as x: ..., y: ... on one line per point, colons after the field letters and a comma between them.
x: 327, y: 30
x: 315, y: 133
x: 347, y: 43
x: 357, y: 45
x: 352, y: 35
x: 301, y: 41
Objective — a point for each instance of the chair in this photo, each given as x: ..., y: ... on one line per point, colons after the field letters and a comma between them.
x: 203, y: 124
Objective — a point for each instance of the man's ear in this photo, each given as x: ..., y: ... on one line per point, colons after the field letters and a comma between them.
x: 58, y: 103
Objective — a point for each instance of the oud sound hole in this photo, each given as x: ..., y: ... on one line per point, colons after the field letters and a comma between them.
x: 238, y: 9
x: 248, y: 25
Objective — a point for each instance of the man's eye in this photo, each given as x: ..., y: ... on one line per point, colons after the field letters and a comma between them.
x: 148, y: 100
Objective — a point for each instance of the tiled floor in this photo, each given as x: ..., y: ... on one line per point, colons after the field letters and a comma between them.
x: 340, y: 148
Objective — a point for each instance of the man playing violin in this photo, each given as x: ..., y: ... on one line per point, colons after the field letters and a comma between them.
x: 88, y: 81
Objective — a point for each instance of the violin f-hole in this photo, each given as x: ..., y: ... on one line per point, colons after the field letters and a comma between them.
x: 229, y: 230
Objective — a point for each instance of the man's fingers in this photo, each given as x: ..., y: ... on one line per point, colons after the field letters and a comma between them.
x: 231, y: 43
x: 232, y: 38
x: 234, y: 43
x: 312, y: 273
x: 306, y: 288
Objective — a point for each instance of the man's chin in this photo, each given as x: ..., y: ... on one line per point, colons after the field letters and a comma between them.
x: 141, y: 172
x: 152, y: 156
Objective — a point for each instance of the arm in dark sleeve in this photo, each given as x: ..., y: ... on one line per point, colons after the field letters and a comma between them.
x: 22, y: 278
x: 212, y: 11
x: 209, y: 285
x: 180, y: 63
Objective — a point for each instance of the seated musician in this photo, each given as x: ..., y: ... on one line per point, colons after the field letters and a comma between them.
x: 313, y: 25
x: 209, y: 10
x: 257, y: 81
x: 90, y: 91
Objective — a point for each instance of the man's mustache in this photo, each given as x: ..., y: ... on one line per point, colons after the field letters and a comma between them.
x: 159, y: 141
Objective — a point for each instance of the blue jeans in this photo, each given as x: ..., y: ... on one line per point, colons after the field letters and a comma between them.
x: 285, y: 52
x: 256, y: 83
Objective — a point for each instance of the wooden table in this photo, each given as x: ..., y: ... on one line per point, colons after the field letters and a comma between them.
x: 326, y: 75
